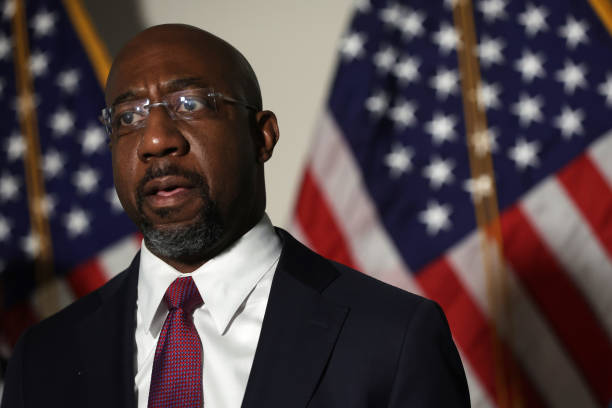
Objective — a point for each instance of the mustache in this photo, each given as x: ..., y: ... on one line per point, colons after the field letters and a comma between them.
x: 163, y: 170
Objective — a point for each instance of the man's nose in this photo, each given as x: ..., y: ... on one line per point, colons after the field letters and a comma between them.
x: 161, y: 136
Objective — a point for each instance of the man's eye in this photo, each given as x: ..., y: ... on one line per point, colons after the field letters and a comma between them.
x: 188, y: 104
x: 128, y: 119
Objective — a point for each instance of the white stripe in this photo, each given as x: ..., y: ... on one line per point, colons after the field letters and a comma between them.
x: 118, y: 256
x: 526, y: 332
x: 568, y: 235
x: 339, y: 178
x: 601, y: 153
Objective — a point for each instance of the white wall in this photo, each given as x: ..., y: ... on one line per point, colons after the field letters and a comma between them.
x: 292, y: 46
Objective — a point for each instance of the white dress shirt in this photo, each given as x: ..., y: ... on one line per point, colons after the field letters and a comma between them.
x: 234, y: 287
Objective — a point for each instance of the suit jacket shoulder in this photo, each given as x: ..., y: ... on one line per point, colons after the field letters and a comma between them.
x: 68, y: 358
x: 334, y: 337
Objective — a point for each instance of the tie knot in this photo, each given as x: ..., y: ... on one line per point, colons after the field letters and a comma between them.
x: 183, y: 294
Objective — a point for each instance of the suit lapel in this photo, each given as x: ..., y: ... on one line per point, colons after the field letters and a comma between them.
x: 106, y: 344
x: 299, y: 331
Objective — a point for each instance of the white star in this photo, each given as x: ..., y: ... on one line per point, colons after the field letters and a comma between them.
x: 30, y: 244
x: 436, y: 217
x: 484, y: 141
x: 439, y: 172
x: 445, y: 82
x: 605, y: 89
x: 490, y: 51
x: 77, y: 222
x: 68, y: 80
x: 530, y: 65
x: 391, y: 15
x: 574, y: 32
x: 39, y: 63
x: 377, y: 103
x: 573, y: 76
x: 488, y: 95
x: 5, y: 47
x: 525, y: 153
x: 8, y: 11
x: 407, y: 69
x: 351, y: 46
x: 534, y: 19
x: 62, y: 122
x: 85, y: 180
x: 402, y: 114
x: 492, y: 10
x: 411, y: 24
x: 5, y: 228
x: 479, y: 187
x: 52, y: 163
x: 9, y: 187
x: 93, y: 139
x: 570, y: 122
x: 43, y: 23
x: 47, y: 204
x: 362, y: 6
x: 399, y: 160
x: 441, y: 128
x: 113, y: 200
x: 15, y: 146
x: 385, y: 59
x: 528, y: 109
x: 446, y: 38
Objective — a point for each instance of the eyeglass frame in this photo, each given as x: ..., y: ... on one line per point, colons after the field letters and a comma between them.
x: 107, y: 112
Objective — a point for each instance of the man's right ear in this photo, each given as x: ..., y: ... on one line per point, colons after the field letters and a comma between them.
x: 268, y: 133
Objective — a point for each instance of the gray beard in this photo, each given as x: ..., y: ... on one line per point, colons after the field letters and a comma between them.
x: 187, y: 242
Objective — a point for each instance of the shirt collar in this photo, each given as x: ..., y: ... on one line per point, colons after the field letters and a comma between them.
x: 224, y: 282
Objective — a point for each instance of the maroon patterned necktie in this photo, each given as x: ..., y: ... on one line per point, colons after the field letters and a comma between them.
x: 176, y: 380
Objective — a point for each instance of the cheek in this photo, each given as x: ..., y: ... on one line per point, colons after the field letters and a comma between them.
x: 123, y: 175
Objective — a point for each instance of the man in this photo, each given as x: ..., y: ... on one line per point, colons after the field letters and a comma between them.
x: 219, y: 308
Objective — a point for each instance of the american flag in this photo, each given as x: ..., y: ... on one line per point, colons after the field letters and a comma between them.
x: 465, y: 154
x: 62, y: 230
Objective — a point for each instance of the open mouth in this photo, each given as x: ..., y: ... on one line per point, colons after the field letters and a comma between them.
x: 168, y: 191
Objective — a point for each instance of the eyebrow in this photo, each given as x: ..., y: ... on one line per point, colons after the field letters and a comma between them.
x: 170, y: 86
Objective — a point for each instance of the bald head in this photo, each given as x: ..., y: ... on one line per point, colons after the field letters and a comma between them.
x: 208, y: 47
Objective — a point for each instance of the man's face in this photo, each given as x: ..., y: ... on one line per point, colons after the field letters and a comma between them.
x: 174, y: 177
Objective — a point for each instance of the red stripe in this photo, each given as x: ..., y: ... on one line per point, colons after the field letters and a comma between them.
x: 473, y: 333
x: 560, y: 301
x: 592, y: 194
x: 86, y: 277
x: 319, y: 224
x: 15, y: 320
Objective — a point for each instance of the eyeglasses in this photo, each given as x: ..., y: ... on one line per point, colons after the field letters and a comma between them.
x: 188, y: 104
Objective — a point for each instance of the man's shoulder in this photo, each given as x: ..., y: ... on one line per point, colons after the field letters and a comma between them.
x: 355, y: 289
x: 63, y: 322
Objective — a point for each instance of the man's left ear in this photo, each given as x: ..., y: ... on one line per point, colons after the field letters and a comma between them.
x: 268, y: 134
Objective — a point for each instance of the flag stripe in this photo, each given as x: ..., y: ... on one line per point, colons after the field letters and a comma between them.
x: 601, y: 152
x: 87, y: 277
x: 473, y: 335
x: 572, y: 318
x: 573, y: 243
x: 526, y: 332
x: 312, y: 211
x: 339, y: 179
x: 117, y: 257
x: 592, y: 194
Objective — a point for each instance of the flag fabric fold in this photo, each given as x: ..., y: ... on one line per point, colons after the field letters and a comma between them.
x: 518, y: 252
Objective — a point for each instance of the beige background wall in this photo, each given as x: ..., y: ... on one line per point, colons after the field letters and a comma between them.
x: 291, y: 45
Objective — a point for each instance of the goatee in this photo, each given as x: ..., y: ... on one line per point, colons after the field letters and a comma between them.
x: 185, y: 242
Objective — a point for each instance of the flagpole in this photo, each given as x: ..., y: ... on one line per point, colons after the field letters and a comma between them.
x: 28, y: 121
x: 486, y: 207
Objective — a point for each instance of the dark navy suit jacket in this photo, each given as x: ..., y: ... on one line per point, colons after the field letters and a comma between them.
x: 331, y: 337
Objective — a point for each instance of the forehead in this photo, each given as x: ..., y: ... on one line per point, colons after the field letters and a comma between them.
x: 149, y: 63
